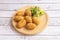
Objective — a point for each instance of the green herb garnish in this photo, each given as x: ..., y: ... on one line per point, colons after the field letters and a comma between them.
x: 36, y: 11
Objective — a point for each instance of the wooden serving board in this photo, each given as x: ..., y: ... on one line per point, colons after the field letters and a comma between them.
x: 43, y: 22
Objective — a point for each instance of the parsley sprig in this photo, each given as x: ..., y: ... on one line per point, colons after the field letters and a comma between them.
x: 36, y: 11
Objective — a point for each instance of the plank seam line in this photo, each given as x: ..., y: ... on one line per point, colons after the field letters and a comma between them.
x: 24, y: 35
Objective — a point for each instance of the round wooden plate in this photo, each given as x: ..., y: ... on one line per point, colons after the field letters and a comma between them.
x: 39, y: 28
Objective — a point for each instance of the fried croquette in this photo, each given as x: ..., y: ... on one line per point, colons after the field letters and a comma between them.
x: 18, y: 18
x: 21, y: 23
x: 30, y: 26
x: 35, y: 20
x: 28, y: 12
x: 28, y: 19
x: 20, y: 13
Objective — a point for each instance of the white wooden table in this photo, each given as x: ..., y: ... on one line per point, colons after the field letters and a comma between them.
x: 7, y: 9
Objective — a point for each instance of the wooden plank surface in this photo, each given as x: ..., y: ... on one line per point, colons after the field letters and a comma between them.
x: 8, y: 8
x: 13, y: 7
x: 29, y: 38
x: 30, y: 1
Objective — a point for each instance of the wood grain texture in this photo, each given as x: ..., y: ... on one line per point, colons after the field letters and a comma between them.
x: 29, y: 38
x: 13, y: 7
x: 30, y: 1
